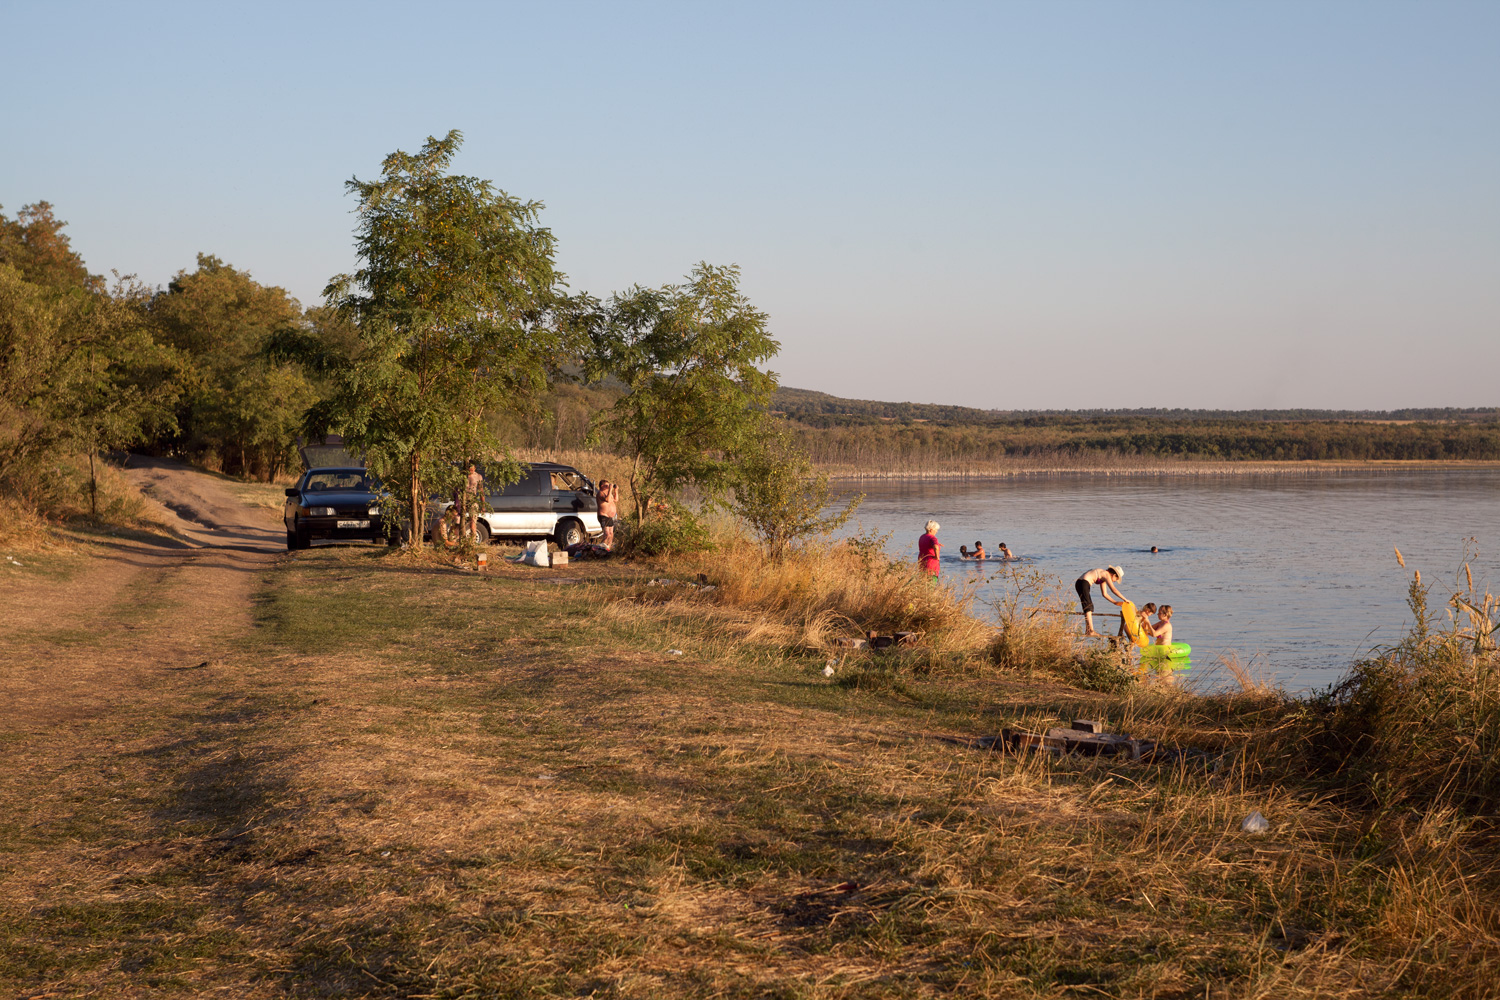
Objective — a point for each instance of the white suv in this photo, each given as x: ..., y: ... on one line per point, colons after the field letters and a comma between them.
x: 551, y: 501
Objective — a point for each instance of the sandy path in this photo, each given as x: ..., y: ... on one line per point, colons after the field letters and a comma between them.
x: 140, y: 609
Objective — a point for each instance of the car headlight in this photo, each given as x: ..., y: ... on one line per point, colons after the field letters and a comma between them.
x: 374, y: 511
x: 320, y: 511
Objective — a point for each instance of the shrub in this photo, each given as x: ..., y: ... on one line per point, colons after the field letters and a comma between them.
x: 1420, y: 721
x: 673, y: 531
x: 1035, y: 634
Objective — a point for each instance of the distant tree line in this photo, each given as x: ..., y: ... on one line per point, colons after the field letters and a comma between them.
x: 876, y: 446
x: 822, y: 410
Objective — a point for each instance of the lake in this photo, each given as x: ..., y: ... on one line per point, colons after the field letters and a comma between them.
x: 1295, y: 572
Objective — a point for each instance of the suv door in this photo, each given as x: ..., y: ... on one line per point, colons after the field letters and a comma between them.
x: 523, y: 508
x: 571, y: 494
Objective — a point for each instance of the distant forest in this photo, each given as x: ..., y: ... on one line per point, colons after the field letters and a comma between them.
x: 855, y: 434
x: 821, y: 409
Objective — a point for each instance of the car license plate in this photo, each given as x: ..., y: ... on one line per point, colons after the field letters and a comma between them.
x: 354, y: 524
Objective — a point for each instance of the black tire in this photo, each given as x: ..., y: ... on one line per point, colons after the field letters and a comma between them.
x: 482, y: 533
x: 569, y: 533
x: 291, y: 541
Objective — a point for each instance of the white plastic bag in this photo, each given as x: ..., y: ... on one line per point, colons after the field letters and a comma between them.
x: 536, y: 555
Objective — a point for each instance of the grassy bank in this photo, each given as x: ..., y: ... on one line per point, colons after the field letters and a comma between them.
x: 412, y: 780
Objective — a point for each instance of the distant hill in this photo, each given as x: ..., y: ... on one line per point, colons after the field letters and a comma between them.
x: 822, y: 409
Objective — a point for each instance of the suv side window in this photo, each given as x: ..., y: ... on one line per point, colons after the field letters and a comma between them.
x: 534, y: 483
x: 567, y: 482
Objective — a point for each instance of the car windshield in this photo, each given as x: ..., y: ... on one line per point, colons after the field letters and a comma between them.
x: 340, y: 481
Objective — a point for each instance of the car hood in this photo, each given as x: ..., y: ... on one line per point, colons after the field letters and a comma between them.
x: 333, y: 498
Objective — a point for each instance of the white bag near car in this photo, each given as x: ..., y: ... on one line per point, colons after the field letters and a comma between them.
x: 536, y: 555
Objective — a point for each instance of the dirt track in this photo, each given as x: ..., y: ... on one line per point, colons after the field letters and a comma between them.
x: 143, y: 604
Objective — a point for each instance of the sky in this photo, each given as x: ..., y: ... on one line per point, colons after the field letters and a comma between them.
x: 1005, y: 205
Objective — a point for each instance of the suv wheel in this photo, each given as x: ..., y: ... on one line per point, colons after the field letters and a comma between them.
x: 482, y: 532
x: 569, y: 533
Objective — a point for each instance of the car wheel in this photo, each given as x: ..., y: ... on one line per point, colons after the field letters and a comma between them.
x: 482, y: 533
x: 291, y: 540
x: 569, y: 533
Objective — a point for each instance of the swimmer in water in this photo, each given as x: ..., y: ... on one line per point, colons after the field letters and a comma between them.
x: 1004, y: 553
x: 1163, y: 629
x: 1155, y: 549
x: 979, y: 552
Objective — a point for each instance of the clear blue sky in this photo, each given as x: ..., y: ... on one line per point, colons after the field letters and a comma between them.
x: 1005, y: 205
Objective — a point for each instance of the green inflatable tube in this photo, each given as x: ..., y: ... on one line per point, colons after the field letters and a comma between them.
x: 1173, y: 651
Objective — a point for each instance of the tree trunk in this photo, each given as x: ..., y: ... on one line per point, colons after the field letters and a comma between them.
x: 418, y: 508
x: 93, y: 487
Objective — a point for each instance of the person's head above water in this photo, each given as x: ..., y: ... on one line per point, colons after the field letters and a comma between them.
x: 979, y: 545
x: 1155, y: 549
x: 1148, y: 607
x: 1166, y: 612
x: 932, y: 527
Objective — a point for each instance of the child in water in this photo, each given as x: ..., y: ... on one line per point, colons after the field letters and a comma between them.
x: 1142, y: 621
x: 1003, y: 553
x: 1163, y: 630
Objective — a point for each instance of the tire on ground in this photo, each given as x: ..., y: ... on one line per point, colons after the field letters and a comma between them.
x: 569, y: 532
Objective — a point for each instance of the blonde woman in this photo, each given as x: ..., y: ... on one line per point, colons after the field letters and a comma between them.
x: 927, y: 549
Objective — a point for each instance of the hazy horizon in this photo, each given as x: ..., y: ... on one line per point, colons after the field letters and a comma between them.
x: 1023, y: 206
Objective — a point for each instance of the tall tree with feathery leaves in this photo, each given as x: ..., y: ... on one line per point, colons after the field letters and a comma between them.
x: 454, y: 303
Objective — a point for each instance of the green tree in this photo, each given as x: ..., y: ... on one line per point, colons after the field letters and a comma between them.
x: 243, y: 406
x: 79, y: 369
x: 687, y: 355
x: 781, y: 497
x: 456, y: 304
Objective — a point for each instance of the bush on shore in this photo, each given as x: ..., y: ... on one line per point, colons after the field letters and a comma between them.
x: 1419, y: 722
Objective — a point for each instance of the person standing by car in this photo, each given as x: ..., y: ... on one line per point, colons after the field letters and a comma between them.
x: 468, y: 516
x: 609, y: 510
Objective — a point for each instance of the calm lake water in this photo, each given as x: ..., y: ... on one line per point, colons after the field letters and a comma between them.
x: 1294, y: 573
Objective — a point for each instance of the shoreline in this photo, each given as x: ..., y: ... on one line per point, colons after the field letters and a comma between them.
x: 1227, y: 468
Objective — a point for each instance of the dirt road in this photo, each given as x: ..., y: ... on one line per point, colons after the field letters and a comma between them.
x: 86, y: 637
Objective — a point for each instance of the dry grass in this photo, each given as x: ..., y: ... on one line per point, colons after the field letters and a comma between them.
x: 31, y: 508
x: 826, y: 590
x: 410, y: 781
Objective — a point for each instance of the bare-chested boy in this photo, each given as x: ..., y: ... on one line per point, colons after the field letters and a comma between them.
x: 1164, y: 626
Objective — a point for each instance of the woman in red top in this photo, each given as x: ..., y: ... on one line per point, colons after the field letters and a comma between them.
x: 927, y: 549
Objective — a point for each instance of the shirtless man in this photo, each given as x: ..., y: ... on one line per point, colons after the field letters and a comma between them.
x: 1004, y: 553
x: 978, y: 552
x: 473, y: 483
x: 1106, y: 579
x: 609, y: 509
